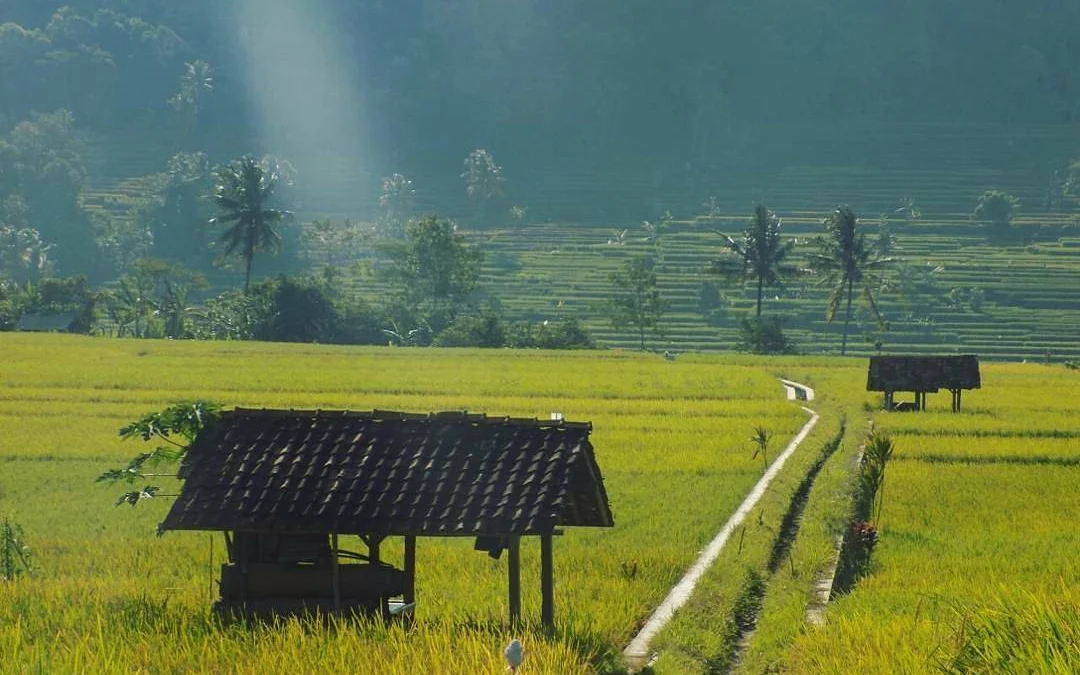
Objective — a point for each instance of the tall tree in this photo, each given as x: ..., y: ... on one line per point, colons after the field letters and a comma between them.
x: 243, y: 193
x: 396, y: 197
x: 483, y: 178
x: 637, y: 301
x: 196, y: 84
x: 758, y: 254
x: 437, y: 269
x: 845, y: 260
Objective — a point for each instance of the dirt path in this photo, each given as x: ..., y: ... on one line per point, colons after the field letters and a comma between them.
x: 637, y: 653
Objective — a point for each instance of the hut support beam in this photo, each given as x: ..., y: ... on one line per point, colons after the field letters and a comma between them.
x: 514, y: 581
x: 335, y: 572
x: 410, y: 570
x: 956, y: 393
x: 373, y: 541
x: 547, y: 583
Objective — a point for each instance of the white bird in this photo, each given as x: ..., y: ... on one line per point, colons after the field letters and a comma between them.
x: 514, y: 655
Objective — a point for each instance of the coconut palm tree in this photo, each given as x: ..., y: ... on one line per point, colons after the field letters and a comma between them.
x: 242, y: 193
x: 758, y: 254
x: 845, y: 260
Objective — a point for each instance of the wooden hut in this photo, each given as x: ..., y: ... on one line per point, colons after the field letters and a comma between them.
x: 922, y: 375
x: 287, y: 486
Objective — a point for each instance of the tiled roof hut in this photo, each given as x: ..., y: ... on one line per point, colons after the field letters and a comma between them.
x: 284, y: 485
x: 923, y: 375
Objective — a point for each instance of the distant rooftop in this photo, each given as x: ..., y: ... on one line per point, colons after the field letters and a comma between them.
x: 923, y: 373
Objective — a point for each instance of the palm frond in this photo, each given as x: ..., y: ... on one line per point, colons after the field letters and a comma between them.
x: 836, y: 296
x: 871, y: 301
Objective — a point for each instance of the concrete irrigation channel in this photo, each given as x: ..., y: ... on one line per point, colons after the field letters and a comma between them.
x: 637, y: 653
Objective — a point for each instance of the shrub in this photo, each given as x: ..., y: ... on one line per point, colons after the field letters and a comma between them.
x: 468, y: 330
x: 565, y: 334
x: 996, y: 207
x: 763, y: 336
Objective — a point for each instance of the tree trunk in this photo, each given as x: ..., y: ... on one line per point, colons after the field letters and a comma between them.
x: 847, y: 317
x: 760, y: 290
x: 247, y: 271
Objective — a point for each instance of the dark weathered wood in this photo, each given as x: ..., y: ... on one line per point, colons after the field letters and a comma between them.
x: 513, y: 561
x: 547, y: 582
x: 269, y: 609
x: 374, y: 558
x: 211, y: 575
x: 409, y: 596
x: 336, y: 571
x: 266, y: 580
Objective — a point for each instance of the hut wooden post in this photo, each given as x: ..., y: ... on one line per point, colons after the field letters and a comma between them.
x: 514, y: 581
x: 335, y: 572
x: 410, y: 570
x: 547, y: 582
x: 373, y: 541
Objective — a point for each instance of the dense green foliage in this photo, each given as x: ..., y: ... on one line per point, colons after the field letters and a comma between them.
x: 574, y: 71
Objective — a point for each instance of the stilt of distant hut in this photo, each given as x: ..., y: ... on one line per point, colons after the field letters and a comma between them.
x: 289, y: 487
x: 922, y: 375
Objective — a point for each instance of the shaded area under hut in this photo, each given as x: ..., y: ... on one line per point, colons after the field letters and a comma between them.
x: 285, y: 486
x: 922, y: 375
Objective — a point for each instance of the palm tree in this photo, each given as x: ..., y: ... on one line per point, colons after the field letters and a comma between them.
x: 759, y: 254
x: 242, y: 194
x: 845, y: 260
x: 196, y: 84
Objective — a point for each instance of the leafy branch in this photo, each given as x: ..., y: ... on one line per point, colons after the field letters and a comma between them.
x: 174, y: 428
x: 15, y: 556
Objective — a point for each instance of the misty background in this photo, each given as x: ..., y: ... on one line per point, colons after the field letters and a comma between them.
x: 695, y: 97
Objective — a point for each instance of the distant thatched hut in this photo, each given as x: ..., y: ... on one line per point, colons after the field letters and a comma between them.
x: 285, y: 486
x: 922, y: 375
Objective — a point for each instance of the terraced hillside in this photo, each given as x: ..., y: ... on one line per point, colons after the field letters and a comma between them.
x: 1030, y: 301
x: 1009, y: 300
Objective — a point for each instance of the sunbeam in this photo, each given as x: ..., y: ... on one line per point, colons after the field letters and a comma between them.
x: 305, y: 88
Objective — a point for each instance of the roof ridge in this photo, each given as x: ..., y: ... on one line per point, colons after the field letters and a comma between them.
x: 435, y: 416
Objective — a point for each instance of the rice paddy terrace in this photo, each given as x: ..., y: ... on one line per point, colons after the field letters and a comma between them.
x: 1030, y: 307
x: 584, y: 222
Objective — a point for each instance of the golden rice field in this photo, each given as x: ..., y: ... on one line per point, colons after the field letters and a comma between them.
x: 977, y: 567
x: 980, y: 543
x: 110, y: 596
x: 979, y: 512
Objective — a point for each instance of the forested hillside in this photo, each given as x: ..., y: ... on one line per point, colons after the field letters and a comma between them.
x: 117, y: 117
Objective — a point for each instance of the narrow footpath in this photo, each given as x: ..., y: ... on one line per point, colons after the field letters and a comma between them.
x: 637, y: 653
